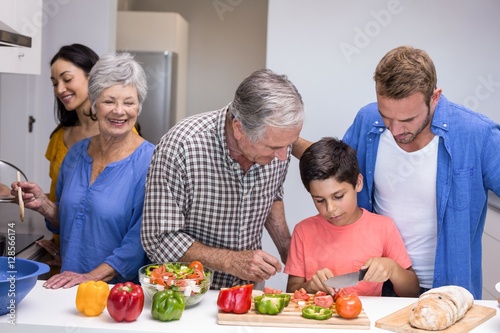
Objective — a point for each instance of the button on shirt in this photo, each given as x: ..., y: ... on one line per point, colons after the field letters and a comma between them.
x: 196, y: 191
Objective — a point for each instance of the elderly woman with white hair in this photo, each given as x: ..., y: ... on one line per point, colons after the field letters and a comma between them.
x: 100, y: 188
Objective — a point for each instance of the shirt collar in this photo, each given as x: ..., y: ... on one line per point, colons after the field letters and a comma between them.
x: 221, y: 134
x: 440, y: 119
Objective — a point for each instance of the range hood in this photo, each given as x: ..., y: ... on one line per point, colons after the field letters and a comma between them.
x: 10, y: 37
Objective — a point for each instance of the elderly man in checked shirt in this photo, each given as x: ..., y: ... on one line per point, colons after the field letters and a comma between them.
x: 216, y: 180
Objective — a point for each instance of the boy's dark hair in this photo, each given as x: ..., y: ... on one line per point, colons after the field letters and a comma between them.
x: 329, y: 157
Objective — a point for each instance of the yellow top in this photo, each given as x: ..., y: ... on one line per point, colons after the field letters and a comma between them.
x: 56, y: 150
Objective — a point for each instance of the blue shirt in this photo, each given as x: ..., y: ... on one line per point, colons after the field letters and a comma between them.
x: 468, y: 166
x: 100, y: 223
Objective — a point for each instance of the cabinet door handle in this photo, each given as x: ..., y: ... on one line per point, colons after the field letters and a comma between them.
x: 31, y: 120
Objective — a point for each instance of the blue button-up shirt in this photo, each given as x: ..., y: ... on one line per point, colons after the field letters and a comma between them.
x: 468, y: 166
x: 101, y: 222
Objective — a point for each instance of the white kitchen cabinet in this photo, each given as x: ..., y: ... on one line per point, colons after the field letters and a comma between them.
x: 26, y: 17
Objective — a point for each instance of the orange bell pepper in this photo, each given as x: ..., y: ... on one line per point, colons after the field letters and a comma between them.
x: 92, y: 297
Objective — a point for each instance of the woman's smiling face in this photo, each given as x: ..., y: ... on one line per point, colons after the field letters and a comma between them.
x: 117, y: 109
x: 70, y: 84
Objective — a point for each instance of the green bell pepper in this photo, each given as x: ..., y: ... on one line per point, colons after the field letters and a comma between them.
x: 286, y: 298
x: 168, y: 305
x: 316, y: 312
x: 150, y: 269
x: 269, y: 304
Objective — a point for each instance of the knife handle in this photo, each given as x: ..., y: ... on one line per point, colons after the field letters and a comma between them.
x: 362, y: 273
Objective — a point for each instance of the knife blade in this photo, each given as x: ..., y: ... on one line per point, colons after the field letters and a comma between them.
x: 346, y: 280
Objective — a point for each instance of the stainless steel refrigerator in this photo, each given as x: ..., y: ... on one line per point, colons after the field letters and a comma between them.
x: 158, y: 109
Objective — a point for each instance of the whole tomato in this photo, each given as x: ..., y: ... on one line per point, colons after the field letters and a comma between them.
x: 348, y: 306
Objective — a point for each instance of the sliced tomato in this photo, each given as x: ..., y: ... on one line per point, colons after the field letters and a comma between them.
x: 324, y: 301
x: 178, y: 283
x: 339, y: 293
x: 301, y: 294
x: 156, y: 279
x: 196, y: 265
x: 197, y: 275
x: 157, y: 274
x: 269, y: 290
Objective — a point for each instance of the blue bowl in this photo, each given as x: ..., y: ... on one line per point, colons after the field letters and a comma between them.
x: 17, y: 278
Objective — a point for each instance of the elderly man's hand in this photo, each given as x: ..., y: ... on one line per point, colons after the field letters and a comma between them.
x: 254, y: 265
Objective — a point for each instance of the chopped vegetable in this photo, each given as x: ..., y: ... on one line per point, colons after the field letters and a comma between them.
x: 236, y: 299
x: 91, y: 297
x: 286, y: 298
x: 271, y: 304
x: 316, y: 312
x: 323, y: 300
x: 189, y: 278
x: 168, y: 274
x: 301, y: 294
x: 271, y: 290
x: 125, y: 301
x: 168, y: 305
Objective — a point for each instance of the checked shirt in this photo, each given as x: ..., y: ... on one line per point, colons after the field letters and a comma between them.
x: 196, y: 191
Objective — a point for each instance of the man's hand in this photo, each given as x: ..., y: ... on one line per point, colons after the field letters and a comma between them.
x: 254, y: 265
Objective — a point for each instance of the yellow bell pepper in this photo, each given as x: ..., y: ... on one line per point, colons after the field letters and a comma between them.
x: 92, y: 297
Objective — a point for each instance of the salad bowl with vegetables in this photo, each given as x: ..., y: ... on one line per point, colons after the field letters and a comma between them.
x: 191, y: 278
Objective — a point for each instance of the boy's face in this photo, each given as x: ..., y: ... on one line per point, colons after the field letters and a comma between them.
x: 336, y: 202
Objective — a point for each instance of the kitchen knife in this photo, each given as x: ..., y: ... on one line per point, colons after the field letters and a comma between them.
x: 346, y: 280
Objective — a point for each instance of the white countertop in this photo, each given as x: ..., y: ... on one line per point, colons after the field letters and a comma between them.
x: 54, y: 311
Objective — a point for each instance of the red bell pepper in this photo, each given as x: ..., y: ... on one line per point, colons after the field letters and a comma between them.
x: 237, y: 299
x: 125, y: 301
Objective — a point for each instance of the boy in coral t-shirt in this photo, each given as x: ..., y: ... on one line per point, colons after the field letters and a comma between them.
x: 344, y: 238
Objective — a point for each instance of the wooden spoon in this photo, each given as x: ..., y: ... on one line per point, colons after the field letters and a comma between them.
x: 20, y: 197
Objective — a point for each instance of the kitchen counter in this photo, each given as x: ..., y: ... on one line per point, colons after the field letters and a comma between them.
x: 53, y: 311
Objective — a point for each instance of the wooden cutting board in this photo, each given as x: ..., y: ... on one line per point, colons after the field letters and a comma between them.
x: 399, y: 320
x: 291, y: 316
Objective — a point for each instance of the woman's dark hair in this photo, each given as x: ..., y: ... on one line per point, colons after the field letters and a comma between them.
x: 82, y: 57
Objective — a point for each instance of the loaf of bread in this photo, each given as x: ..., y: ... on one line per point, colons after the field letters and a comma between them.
x: 439, y: 308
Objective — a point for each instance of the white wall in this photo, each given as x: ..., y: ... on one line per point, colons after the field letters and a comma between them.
x: 307, y: 41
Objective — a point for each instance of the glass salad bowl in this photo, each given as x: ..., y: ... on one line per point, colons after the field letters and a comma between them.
x: 192, y: 279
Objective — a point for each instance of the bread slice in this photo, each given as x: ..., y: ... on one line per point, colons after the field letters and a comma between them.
x: 439, y: 308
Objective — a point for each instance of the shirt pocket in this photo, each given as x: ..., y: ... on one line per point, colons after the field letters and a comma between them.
x: 460, y: 190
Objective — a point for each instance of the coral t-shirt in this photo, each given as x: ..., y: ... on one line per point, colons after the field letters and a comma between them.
x: 318, y: 244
